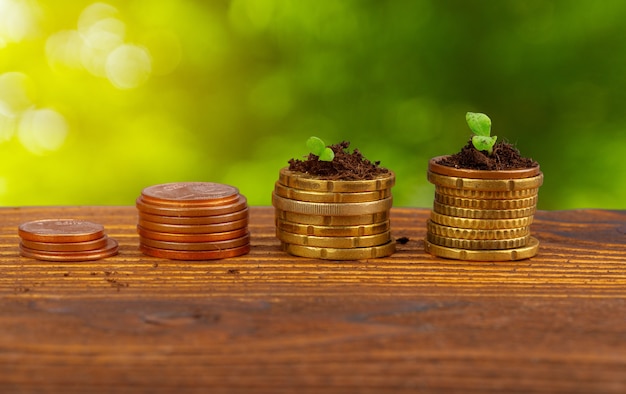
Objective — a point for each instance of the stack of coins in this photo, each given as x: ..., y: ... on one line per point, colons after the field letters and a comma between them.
x: 193, y: 221
x: 65, y: 240
x: 331, y: 219
x: 482, y: 219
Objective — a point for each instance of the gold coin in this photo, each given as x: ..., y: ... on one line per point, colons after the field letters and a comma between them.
x: 486, y: 184
x: 464, y: 233
x: 483, y: 213
x: 329, y: 209
x: 298, y: 180
x: 340, y: 254
x: 477, y: 244
x: 333, y: 231
x: 485, y: 204
x: 332, y: 220
x: 486, y: 195
x: 334, y: 197
x: 520, y: 253
x: 334, y: 242
x: 480, y: 224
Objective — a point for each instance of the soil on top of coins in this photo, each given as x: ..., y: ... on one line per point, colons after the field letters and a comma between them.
x: 345, y: 166
x: 505, y: 157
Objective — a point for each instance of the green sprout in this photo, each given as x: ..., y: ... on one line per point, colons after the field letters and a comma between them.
x: 319, y: 149
x: 480, y: 124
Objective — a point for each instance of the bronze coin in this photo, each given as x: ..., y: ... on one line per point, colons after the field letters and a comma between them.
x: 194, y: 255
x: 109, y: 250
x: 193, y: 228
x: 190, y: 220
x: 190, y: 194
x: 211, y: 237
x: 66, y: 246
x: 60, y: 230
x: 197, y: 246
x: 239, y: 204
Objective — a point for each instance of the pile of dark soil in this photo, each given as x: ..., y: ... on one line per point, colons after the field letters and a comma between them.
x: 505, y: 157
x: 345, y: 166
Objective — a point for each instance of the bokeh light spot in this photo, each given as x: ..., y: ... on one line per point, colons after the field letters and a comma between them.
x: 128, y: 66
x: 18, y: 20
x: 94, y: 13
x: 42, y: 130
x: 64, y: 48
x: 17, y: 92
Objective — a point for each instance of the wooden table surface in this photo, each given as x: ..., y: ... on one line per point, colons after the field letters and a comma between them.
x: 270, y: 322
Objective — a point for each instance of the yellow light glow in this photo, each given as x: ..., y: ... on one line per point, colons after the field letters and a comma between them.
x: 128, y: 66
x: 42, y: 130
x: 17, y: 92
x: 17, y: 20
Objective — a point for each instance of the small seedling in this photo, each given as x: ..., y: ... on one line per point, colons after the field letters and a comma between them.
x: 319, y: 149
x: 480, y: 124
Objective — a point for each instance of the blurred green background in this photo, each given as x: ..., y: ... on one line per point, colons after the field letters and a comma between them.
x: 98, y: 100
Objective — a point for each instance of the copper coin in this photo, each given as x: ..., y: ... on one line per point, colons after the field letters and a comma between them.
x: 197, y: 246
x: 194, y: 255
x: 97, y: 254
x: 211, y: 237
x: 60, y: 230
x: 193, y: 228
x: 238, y: 204
x: 188, y: 220
x: 190, y: 193
x: 66, y: 246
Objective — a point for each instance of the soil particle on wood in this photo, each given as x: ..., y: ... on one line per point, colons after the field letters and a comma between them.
x: 505, y: 157
x: 345, y: 166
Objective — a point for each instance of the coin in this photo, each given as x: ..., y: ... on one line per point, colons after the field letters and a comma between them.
x: 483, y: 213
x: 329, y: 209
x: 340, y: 254
x: 477, y: 244
x: 332, y: 220
x: 210, y: 237
x: 110, y: 249
x: 193, y: 228
x: 464, y: 233
x: 239, y: 204
x: 66, y: 246
x: 486, y: 184
x: 334, y: 242
x: 190, y: 220
x: 486, y: 195
x: 333, y: 231
x: 194, y: 255
x: 480, y: 224
x: 330, y: 197
x: 60, y: 230
x: 519, y: 253
x: 434, y: 166
x: 485, y: 204
x: 298, y: 180
x: 197, y: 246
x: 197, y: 194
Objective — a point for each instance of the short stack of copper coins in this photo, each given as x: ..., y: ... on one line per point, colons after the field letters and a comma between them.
x: 193, y: 221
x: 65, y: 240
x: 333, y: 219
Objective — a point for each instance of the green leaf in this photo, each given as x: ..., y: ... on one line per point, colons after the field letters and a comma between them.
x: 479, y: 123
x: 482, y: 142
x: 315, y: 145
x: 327, y: 155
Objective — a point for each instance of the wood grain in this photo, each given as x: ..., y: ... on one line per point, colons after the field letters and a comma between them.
x: 270, y: 322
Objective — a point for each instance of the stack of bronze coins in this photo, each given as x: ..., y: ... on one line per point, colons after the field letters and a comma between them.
x: 483, y: 219
x: 193, y: 221
x: 65, y: 240
x: 333, y: 219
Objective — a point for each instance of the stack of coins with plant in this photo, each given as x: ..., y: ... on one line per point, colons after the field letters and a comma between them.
x: 334, y: 205
x: 193, y: 221
x: 65, y: 240
x: 485, y: 199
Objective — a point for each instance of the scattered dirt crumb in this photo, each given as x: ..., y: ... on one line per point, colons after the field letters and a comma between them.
x: 402, y: 240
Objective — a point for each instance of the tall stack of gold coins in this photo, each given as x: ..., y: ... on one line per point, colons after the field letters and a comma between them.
x: 65, y: 240
x: 333, y: 219
x: 193, y: 221
x: 482, y: 215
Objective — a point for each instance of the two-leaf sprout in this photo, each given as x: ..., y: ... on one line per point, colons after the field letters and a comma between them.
x: 480, y: 124
x: 319, y: 149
